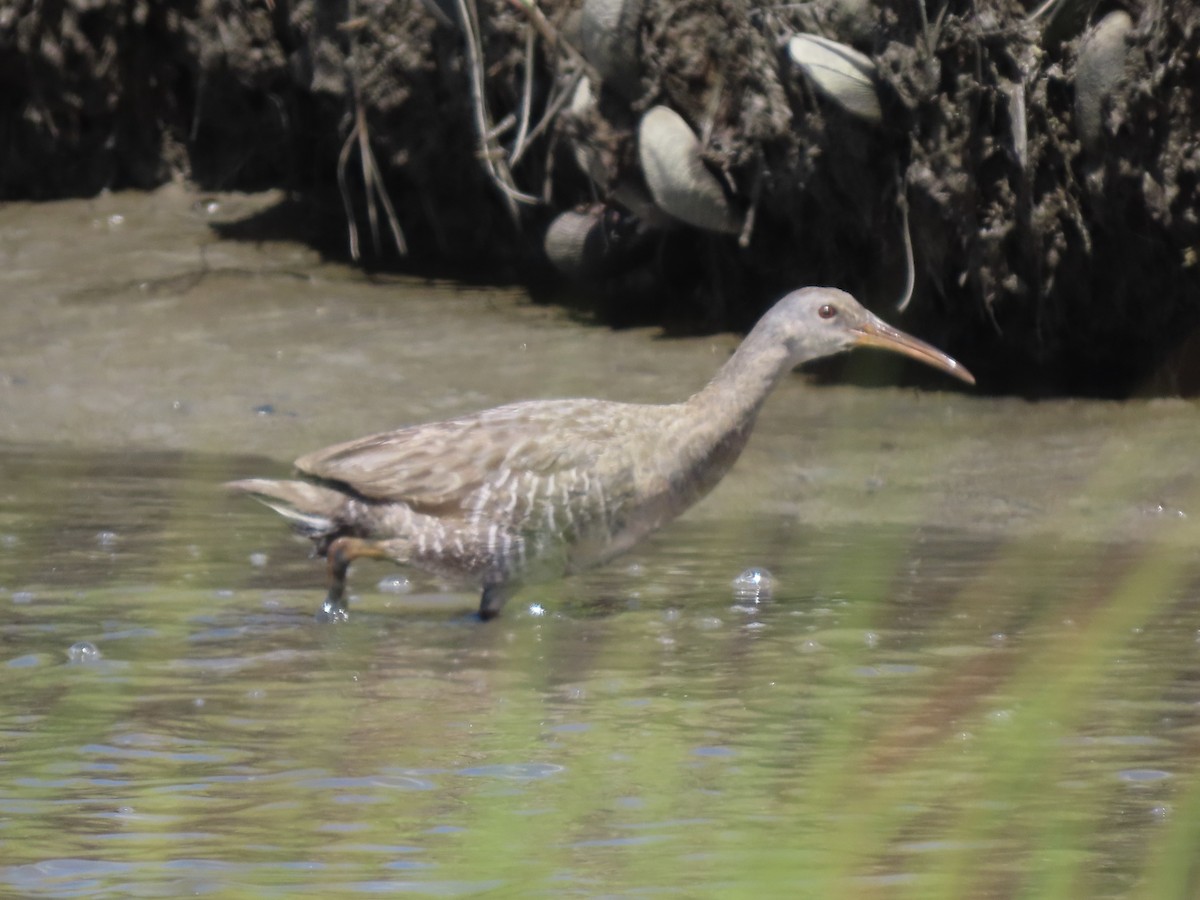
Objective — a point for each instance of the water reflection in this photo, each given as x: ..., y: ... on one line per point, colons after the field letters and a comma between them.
x: 914, y: 708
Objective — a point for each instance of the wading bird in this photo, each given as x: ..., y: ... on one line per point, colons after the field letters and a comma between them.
x: 543, y: 488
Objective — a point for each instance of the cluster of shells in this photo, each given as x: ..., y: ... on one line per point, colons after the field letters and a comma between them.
x: 677, y: 182
x: 674, y: 185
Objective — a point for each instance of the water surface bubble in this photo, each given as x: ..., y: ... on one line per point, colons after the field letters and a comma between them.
x: 106, y: 538
x: 83, y: 652
x: 1156, y: 510
x: 395, y: 584
x: 756, y: 584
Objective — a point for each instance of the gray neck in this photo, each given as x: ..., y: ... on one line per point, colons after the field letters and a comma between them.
x: 737, y: 391
x: 709, y: 437
x: 700, y: 445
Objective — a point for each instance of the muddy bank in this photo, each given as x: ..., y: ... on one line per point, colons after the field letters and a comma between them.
x: 1042, y: 163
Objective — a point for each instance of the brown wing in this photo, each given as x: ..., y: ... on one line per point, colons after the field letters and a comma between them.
x: 437, y: 467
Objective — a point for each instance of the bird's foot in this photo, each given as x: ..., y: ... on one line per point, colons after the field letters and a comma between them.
x: 340, y: 553
x: 333, y: 610
x: 492, y: 601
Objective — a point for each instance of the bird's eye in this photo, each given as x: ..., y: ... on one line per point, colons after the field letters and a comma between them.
x: 828, y: 311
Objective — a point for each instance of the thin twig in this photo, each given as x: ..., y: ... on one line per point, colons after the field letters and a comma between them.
x: 937, y: 26
x: 364, y: 156
x: 497, y: 168
x: 389, y: 210
x: 1020, y: 124
x: 526, y: 94
x: 924, y: 23
x: 548, y: 169
x: 932, y: 35
x: 910, y: 279
x: 516, y: 194
x: 1042, y: 10
x: 548, y: 116
x: 752, y: 212
x: 554, y: 37
x: 373, y: 186
x: 502, y: 126
x: 474, y: 52
x: 343, y: 159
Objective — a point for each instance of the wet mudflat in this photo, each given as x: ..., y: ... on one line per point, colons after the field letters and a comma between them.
x: 976, y: 672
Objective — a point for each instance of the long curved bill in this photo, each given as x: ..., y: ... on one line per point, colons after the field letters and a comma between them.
x: 878, y: 333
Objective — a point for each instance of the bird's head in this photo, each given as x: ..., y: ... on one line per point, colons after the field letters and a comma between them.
x: 815, y: 322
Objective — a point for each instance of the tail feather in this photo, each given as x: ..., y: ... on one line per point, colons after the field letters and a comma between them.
x: 312, y: 509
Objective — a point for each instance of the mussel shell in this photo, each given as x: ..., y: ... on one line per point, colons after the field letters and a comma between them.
x: 609, y: 38
x: 1100, y: 67
x: 594, y: 243
x: 839, y: 72
x: 679, y: 182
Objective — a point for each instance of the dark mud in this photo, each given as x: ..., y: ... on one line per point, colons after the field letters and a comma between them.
x: 1050, y: 256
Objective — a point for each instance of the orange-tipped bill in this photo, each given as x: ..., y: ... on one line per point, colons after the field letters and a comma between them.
x: 878, y: 333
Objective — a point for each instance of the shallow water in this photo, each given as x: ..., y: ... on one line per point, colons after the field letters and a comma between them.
x: 977, y: 672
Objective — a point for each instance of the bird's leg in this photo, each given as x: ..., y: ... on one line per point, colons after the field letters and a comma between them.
x: 492, y: 600
x: 340, y: 554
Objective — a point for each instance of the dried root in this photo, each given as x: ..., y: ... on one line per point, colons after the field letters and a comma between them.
x: 373, y: 186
